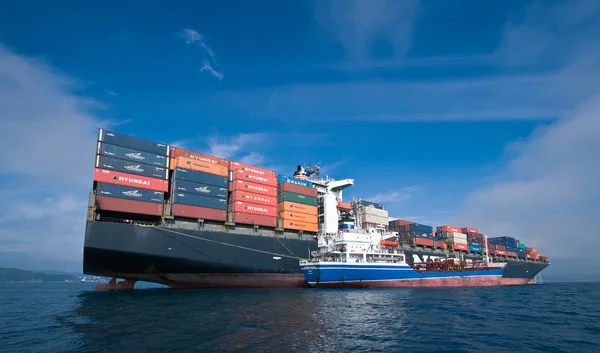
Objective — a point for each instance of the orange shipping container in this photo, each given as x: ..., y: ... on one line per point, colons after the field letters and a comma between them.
x: 201, y: 166
x: 247, y: 207
x: 304, y: 226
x: 252, y: 169
x: 301, y: 217
x: 297, y: 207
x: 178, y: 152
x: 255, y: 178
x: 253, y: 198
x: 172, y: 164
x: 241, y: 185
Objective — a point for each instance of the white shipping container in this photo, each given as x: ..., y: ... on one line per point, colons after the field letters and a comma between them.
x: 457, y: 241
x: 458, y: 235
x: 374, y: 212
x: 375, y: 219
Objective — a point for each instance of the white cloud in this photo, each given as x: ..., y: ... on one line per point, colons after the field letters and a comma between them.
x: 395, y: 196
x: 357, y: 24
x: 209, y: 63
x: 47, y: 136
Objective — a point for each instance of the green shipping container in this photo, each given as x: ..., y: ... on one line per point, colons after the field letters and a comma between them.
x: 293, y: 197
x: 521, y: 246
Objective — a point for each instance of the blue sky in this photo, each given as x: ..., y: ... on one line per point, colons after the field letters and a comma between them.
x: 472, y: 113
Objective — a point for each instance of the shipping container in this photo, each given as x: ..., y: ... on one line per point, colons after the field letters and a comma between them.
x: 500, y: 252
x: 511, y: 249
x: 375, y: 219
x: 475, y: 243
x: 424, y: 241
x: 252, y: 208
x: 129, y: 193
x: 297, y: 189
x: 186, y: 198
x: 129, y: 154
x: 200, y: 177
x: 195, y: 212
x: 171, y: 163
x: 136, y: 143
x: 118, y: 178
x: 291, y: 197
x: 128, y: 206
x: 121, y: 165
x: 246, y: 168
x: 473, y: 248
x: 400, y: 222
x: 501, y: 247
x: 254, y: 178
x: 416, y: 227
x: 178, y: 152
x: 458, y: 246
x: 521, y: 246
x: 411, y: 234
x: 371, y: 204
x: 340, y: 226
x: 286, y: 179
x: 440, y: 244
x: 254, y: 219
x: 297, y: 207
x: 511, y: 254
x: 242, y: 185
x: 374, y: 212
x: 201, y: 166
x: 303, y: 226
x: 301, y: 217
x: 448, y: 229
x: 198, y: 188
x: 375, y: 225
x: 253, y: 198
x: 457, y: 241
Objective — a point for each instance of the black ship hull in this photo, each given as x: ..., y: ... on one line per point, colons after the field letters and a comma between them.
x: 194, y: 258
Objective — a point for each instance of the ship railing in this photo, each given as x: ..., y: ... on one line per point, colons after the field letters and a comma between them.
x: 129, y: 221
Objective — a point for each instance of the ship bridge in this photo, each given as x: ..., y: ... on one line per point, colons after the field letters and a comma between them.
x: 330, y: 193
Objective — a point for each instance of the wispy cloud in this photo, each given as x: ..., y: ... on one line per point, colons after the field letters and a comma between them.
x: 209, y: 64
x: 395, y: 196
x: 357, y: 24
x: 112, y: 93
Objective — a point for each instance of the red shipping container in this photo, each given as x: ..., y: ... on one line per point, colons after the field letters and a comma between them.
x: 196, y: 212
x: 501, y: 252
x: 176, y: 152
x: 501, y: 247
x: 298, y: 189
x: 469, y: 230
x: 129, y: 206
x: 424, y: 241
x: 233, y: 166
x: 461, y: 246
x: 450, y: 229
x: 254, y: 178
x: 253, y: 198
x: 254, y: 219
x: 124, y: 179
x: 252, y: 208
x: 511, y: 254
x: 400, y: 222
x: 241, y: 185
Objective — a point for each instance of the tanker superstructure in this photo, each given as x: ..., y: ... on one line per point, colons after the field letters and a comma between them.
x: 162, y: 214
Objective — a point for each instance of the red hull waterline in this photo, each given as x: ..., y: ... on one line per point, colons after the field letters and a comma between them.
x: 479, y: 281
x: 233, y: 281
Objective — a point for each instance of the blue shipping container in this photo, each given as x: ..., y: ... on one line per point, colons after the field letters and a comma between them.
x: 346, y: 226
x: 419, y: 228
x: 132, y: 155
x: 124, y: 166
x: 185, y: 198
x: 511, y: 249
x: 286, y: 179
x: 475, y: 243
x: 200, y: 189
x: 139, y: 144
x: 129, y: 193
x: 200, y: 177
x: 475, y: 248
x: 415, y: 234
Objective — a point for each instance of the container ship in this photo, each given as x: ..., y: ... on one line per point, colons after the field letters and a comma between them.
x: 163, y: 214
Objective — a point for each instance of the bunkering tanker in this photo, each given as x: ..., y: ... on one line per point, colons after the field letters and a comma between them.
x: 158, y: 213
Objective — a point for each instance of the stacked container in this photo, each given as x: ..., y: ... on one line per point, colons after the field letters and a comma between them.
x: 373, y: 216
x: 131, y: 174
x: 456, y: 240
x: 253, y: 197
x: 297, y: 204
x: 199, y: 187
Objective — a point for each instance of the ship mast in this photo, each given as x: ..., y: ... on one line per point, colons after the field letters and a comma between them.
x: 487, y: 257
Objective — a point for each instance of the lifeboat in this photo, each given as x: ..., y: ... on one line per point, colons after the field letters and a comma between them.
x: 390, y: 243
x: 343, y: 206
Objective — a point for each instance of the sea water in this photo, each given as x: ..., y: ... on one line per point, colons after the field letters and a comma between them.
x: 72, y: 317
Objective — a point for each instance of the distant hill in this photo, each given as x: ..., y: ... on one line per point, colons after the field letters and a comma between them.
x: 16, y: 275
